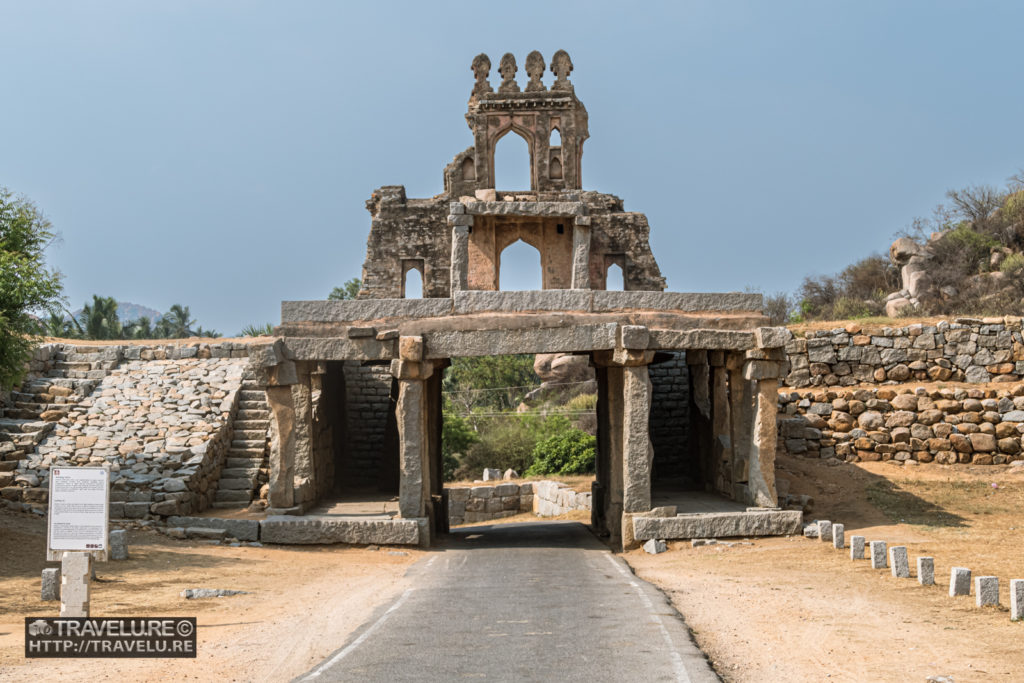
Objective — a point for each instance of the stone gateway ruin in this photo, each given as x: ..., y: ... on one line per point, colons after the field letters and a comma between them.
x: 354, y: 387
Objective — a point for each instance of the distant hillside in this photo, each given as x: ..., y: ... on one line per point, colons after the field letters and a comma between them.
x: 127, y: 312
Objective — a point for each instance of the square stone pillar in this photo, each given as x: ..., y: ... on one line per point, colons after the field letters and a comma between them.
x: 761, y: 470
x: 581, y: 253
x: 721, y: 425
x: 304, y: 484
x: 281, y: 495
x: 741, y: 422
x: 460, y: 255
x: 700, y: 414
x: 412, y: 415
x: 637, y: 451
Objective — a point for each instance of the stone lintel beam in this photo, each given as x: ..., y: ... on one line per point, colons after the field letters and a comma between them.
x: 460, y: 258
x: 731, y: 340
x: 686, y: 302
x: 771, y: 337
x: 552, y: 209
x: 569, y: 339
x: 362, y: 310
x: 581, y: 254
x: 622, y: 358
x: 778, y: 355
x: 340, y: 348
x: 460, y: 220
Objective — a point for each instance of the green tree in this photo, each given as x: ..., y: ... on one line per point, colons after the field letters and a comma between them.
x: 142, y: 328
x: 349, y: 290
x: 489, y: 382
x: 99, y: 319
x: 179, y: 322
x: 26, y: 285
x: 568, y: 452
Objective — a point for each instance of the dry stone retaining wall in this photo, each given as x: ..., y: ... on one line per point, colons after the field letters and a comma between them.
x: 553, y: 498
x: 942, y: 424
x: 160, y: 417
x: 968, y: 350
x: 483, y: 503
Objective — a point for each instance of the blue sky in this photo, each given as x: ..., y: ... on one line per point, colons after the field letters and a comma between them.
x: 218, y: 154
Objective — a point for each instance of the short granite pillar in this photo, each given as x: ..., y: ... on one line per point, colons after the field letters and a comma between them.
x: 637, y: 451
x: 1017, y: 599
x: 51, y: 585
x: 878, y: 555
x: 75, y: 572
x: 412, y: 430
x: 898, y: 562
x: 986, y: 590
x: 838, y: 536
x: 824, y: 530
x: 761, y: 454
x: 856, y: 547
x: 119, y: 544
x: 460, y: 257
x: 959, y: 581
x: 580, y: 253
x: 926, y: 571
x: 721, y: 446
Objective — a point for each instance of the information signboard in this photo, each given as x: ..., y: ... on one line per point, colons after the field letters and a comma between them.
x: 79, y: 511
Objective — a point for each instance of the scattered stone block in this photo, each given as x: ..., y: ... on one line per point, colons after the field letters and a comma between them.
x: 857, y: 547
x: 838, y: 536
x: 203, y: 532
x: 75, y: 572
x: 811, y: 530
x: 898, y: 562
x: 195, y: 593
x: 510, y: 474
x: 492, y: 474
x: 986, y: 590
x: 51, y: 585
x: 824, y: 530
x: 655, y: 546
x: 1017, y: 599
x: 119, y: 544
x: 878, y: 560
x: 926, y: 571
x: 959, y: 581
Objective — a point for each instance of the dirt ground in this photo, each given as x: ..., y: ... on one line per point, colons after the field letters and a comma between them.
x: 304, y: 602
x: 795, y: 609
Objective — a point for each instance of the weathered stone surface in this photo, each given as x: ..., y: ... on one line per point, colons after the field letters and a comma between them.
x: 199, y: 593
x: 926, y: 571
x: 51, y: 585
x: 453, y: 344
x: 285, y: 529
x: 118, y: 544
x: 878, y: 559
x: 838, y: 536
x: 857, y: 547
x: 824, y: 530
x: 363, y: 310
x: 959, y: 581
x: 519, y: 302
x: 899, y: 562
x: 604, y: 301
x: 1016, y: 599
x: 242, y: 529
x: 719, y: 525
x: 986, y: 590
x: 655, y: 546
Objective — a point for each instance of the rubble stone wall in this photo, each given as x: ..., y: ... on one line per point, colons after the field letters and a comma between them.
x: 367, y: 405
x: 670, y: 415
x: 967, y: 350
x: 161, y: 418
x: 942, y: 424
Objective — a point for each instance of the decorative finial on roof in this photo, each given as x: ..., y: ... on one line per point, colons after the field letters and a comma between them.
x: 535, y: 69
x: 507, y: 68
x: 481, y: 70
x: 561, y: 67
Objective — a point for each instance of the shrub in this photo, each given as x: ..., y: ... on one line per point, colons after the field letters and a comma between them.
x: 457, y: 436
x: 1013, y: 264
x: 508, y: 442
x: 571, y: 452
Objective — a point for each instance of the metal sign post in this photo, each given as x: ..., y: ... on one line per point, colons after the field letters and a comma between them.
x: 76, y: 531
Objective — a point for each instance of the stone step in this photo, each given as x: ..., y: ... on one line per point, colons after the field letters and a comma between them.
x: 251, y: 434
x: 253, y: 415
x: 24, y: 426
x: 66, y: 365
x: 246, y: 472
x: 243, y: 463
x: 252, y: 405
x: 8, y: 465
x: 252, y: 395
x: 229, y: 504
x: 247, y: 444
x: 254, y: 425
x: 251, y: 453
x: 225, y: 495
x: 242, y: 484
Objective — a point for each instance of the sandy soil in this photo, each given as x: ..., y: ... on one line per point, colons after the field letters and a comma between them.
x: 795, y: 609
x: 304, y: 602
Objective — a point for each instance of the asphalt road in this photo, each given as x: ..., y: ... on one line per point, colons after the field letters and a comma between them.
x: 521, y: 602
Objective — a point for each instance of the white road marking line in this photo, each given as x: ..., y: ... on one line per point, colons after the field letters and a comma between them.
x: 677, y: 661
x: 317, y: 672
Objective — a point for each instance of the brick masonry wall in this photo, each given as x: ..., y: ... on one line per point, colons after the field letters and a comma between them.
x: 368, y: 402
x: 670, y: 415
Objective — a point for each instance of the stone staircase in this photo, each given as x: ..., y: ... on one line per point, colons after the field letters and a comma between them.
x: 246, y: 468
x: 46, y: 397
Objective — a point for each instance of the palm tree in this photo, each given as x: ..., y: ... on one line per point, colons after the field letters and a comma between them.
x: 59, y: 325
x: 139, y: 329
x: 179, y: 322
x: 100, y: 319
